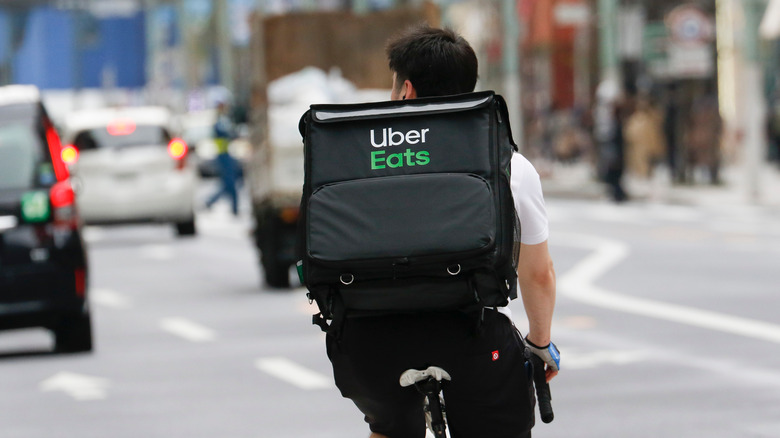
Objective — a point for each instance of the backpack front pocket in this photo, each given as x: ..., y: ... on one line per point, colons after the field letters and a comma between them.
x: 401, y: 217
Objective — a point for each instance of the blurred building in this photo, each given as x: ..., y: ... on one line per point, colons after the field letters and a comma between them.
x: 681, y: 54
x: 70, y: 46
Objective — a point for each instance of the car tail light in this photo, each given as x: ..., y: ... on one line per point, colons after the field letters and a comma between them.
x: 70, y: 154
x: 63, y: 202
x: 177, y: 149
x: 80, y: 279
x: 55, y: 149
x: 121, y: 127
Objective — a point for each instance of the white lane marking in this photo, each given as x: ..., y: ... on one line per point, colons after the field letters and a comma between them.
x: 291, y: 372
x: 595, y: 359
x: 157, y: 252
x: 93, y: 234
x: 577, y: 284
x: 615, y: 214
x: 110, y: 298
x: 80, y: 387
x: 673, y: 213
x: 187, y: 329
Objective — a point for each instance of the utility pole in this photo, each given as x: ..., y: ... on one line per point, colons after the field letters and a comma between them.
x: 608, y: 39
x: 189, y: 76
x: 511, y: 68
x: 741, y: 84
x: 151, y: 47
x: 754, y: 105
x: 6, y: 51
x: 224, y: 44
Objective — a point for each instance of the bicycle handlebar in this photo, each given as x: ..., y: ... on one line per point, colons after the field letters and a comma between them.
x: 542, y: 389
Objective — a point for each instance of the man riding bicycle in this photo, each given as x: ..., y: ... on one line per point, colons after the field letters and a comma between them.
x: 490, y: 394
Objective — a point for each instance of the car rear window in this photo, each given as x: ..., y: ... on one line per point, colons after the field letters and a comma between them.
x: 24, y: 157
x: 121, y: 136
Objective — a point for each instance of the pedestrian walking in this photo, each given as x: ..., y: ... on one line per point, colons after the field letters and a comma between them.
x: 609, y: 116
x: 645, y: 142
x: 229, y: 169
x: 703, y: 139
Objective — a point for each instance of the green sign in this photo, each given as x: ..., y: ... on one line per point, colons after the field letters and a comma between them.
x: 35, y: 207
x: 655, y: 39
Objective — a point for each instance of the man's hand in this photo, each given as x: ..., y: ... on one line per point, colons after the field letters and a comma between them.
x: 549, y: 354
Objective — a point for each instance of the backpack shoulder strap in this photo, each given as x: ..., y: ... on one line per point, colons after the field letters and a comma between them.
x: 504, y: 113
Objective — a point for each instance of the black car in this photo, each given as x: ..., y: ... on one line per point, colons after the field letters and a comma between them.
x: 43, y: 261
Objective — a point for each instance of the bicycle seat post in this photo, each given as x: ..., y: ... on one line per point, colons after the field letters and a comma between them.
x: 431, y: 389
x: 429, y: 383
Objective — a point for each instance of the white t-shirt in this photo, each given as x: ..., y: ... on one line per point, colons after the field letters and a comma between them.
x: 529, y: 202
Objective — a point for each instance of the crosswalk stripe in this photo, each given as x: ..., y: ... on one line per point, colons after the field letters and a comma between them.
x: 188, y: 330
x: 110, y: 298
x: 594, y: 359
x: 289, y: 371
x: 579, y: 284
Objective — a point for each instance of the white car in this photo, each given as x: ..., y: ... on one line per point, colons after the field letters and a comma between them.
x: 130, y: 167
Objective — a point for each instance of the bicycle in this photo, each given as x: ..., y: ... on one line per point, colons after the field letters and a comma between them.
x: 431, y: 381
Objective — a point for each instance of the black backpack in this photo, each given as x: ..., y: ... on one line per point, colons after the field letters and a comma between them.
x: 407, y: 206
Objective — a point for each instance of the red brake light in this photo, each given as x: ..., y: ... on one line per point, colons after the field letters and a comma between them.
x: 62, y: 195
x: 80, y: 278
x: 177, y: 148
x: 63, y: 201
x: 70, y: 154
x: 121, y: 127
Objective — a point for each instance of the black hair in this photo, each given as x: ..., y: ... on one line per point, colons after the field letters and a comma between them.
x: 438, y: 62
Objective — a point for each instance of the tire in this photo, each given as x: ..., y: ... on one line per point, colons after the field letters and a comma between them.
x: 73, y: 334
x: 277, y: 275
x: 186, y: 228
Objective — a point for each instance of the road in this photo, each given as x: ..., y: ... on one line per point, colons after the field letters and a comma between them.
x: 667, y: 322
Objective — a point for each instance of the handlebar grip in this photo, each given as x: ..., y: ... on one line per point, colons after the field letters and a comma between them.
x: 542, y: 389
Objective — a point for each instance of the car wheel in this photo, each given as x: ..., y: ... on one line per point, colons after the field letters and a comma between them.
x: 186, y: 228
x: 277, y: 275
x: 73, y: 334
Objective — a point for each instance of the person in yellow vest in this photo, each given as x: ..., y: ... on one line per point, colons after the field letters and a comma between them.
x: 227, y: 165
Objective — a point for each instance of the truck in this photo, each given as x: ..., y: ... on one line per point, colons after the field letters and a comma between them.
x: 340, y: 43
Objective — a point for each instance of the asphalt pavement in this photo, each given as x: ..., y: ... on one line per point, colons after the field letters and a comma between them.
x: 666, y: 320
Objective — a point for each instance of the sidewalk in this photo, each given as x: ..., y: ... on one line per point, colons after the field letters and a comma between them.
x: 578, y: 181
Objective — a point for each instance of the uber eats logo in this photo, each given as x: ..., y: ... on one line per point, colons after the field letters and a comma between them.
x: 381, y: 159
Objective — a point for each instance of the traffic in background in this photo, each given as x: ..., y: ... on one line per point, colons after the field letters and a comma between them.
x: 193, y: 319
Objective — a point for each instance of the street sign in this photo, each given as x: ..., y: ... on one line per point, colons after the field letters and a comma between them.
x: 689, y: 25
x: 680, y: 47
x: 655, y: 39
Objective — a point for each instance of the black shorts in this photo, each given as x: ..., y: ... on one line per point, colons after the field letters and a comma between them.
x: 490, y: 395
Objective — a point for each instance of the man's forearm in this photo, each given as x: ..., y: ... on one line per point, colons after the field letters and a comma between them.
x: 536, y: 277
x: 539, y: 302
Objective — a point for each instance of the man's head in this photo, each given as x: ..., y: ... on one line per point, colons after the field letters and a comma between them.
x: 427, y: 61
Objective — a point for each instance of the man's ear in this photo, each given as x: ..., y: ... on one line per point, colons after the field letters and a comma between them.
x: 409, y: 91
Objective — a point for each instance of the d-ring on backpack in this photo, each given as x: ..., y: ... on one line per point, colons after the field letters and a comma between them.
x: 407, y: 206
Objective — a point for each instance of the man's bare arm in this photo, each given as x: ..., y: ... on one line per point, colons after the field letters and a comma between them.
x: 536, y: 276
